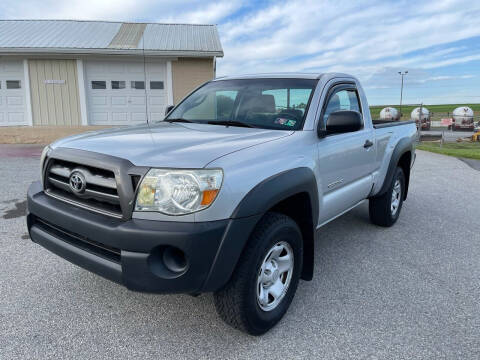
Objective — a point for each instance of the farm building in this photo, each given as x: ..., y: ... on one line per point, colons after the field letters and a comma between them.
x: 73, y: 73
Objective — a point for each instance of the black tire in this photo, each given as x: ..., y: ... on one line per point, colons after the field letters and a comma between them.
x: 380, y: 209
x: 237, y: 303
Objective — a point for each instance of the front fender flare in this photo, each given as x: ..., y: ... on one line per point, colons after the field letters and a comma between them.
x: 277, y: 188
x: 250, y: 210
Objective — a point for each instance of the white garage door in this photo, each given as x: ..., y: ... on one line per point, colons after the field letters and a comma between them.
x: 12, y: 93
x: 118, y: 93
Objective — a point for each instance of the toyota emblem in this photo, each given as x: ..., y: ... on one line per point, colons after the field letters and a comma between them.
x: 77, y: 182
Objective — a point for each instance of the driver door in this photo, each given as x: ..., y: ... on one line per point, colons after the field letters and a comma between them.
x: 345, y: 160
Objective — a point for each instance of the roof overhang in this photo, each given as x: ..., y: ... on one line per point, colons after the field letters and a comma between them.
x: 133, y: 52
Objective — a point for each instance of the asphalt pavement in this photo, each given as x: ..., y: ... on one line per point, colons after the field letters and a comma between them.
x: 408, y: 292
x: 448, y: 135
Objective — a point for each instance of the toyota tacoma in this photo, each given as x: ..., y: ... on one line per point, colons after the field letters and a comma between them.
x: 227, y: 193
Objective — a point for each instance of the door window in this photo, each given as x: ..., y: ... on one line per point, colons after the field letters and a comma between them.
x: 345, y: 99
x: 139, y: 85
x: 116, y: 85
x: 101, y: 85
x: 156, y: 85
x: 13, y: 84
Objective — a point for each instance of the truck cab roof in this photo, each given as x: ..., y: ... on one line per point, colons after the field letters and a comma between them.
x: 284, y: 75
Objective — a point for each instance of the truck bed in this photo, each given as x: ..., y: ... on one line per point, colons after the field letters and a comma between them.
x: 379, y: 124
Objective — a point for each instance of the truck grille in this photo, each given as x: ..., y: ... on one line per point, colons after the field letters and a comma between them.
x: 97, y: 182
x: 100, y: 189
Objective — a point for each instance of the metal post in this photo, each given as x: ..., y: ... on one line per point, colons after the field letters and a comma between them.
x: 401, y: 91
x: 420, y: 119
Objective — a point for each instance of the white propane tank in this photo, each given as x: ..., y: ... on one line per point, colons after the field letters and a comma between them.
x: 462, y: 114
x: 389, y: 114
x: 423, y: 116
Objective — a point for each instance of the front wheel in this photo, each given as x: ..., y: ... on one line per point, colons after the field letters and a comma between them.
x: 385, y: 210
x: 266, y: 277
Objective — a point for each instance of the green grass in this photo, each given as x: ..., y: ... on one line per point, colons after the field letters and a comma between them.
x: 464, y: 149
x: 438, y: 111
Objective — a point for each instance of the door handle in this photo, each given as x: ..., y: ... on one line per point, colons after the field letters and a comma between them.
x: 367, y: 144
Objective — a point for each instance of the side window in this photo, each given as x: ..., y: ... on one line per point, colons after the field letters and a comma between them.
x: 345, y: 99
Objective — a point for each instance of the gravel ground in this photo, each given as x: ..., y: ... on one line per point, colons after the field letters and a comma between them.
x: 408, y: 292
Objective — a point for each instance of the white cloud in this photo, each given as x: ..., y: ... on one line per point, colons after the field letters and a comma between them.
x: 371, y: 39
x: 443, y: 77
x: 203, y: 14
x: 361, y: 38
x: 74, y: 9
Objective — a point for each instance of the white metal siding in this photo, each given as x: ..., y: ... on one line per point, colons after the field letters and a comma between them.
x: 13, y: 108
x: 129, y: 105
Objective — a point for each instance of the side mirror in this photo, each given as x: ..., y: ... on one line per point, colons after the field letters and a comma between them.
x: 342, y: 121
x: 168, y: 109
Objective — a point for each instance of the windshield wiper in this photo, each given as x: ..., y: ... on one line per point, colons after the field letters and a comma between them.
x: 232, y: 123
x: 179, y: 120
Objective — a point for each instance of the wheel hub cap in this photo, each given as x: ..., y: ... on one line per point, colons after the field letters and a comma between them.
x: 274, y: 276
x: 396, y: 197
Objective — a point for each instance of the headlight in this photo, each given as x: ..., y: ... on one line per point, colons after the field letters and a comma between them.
x: 45, y: 152
x: 178, y: 192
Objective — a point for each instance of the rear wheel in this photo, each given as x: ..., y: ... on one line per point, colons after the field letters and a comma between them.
x: 385, y: 210
x: 266, y: 278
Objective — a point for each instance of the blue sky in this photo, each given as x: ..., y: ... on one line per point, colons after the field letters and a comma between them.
x: 438, y: 42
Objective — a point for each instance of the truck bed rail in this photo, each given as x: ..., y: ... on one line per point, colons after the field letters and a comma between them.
x: 379, y: 124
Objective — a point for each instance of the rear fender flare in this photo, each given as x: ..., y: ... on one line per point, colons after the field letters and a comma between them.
x: 403, y: 146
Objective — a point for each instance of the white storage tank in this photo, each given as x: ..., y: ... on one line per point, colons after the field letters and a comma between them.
x: 421, y: 115
x: 463, y: 113
x: 463, y: 118
x: 389, y: 114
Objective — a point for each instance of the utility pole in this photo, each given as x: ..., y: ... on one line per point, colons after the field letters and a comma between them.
x: 402, y: 74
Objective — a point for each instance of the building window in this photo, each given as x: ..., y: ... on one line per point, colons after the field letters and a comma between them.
x: 13, y: 84
x: 99, y: 84
x: 156, y: 85
x: 118, y: 84
x: 139, y: 85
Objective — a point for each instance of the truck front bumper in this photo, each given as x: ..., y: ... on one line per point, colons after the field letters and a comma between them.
x: 143, y: 255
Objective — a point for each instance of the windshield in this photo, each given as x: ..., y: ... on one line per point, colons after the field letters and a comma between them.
x: 263, y: 103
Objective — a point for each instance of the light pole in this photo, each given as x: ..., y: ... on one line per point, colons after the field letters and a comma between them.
x: 402, y: 74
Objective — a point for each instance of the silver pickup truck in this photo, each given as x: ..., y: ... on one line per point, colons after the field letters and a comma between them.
x: 227, y: 194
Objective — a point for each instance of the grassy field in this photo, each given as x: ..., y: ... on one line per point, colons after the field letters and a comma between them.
x: 466, y: 150
x: 440, y: 110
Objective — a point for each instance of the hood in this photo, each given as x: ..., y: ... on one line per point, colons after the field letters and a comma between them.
x: 171, y: 144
